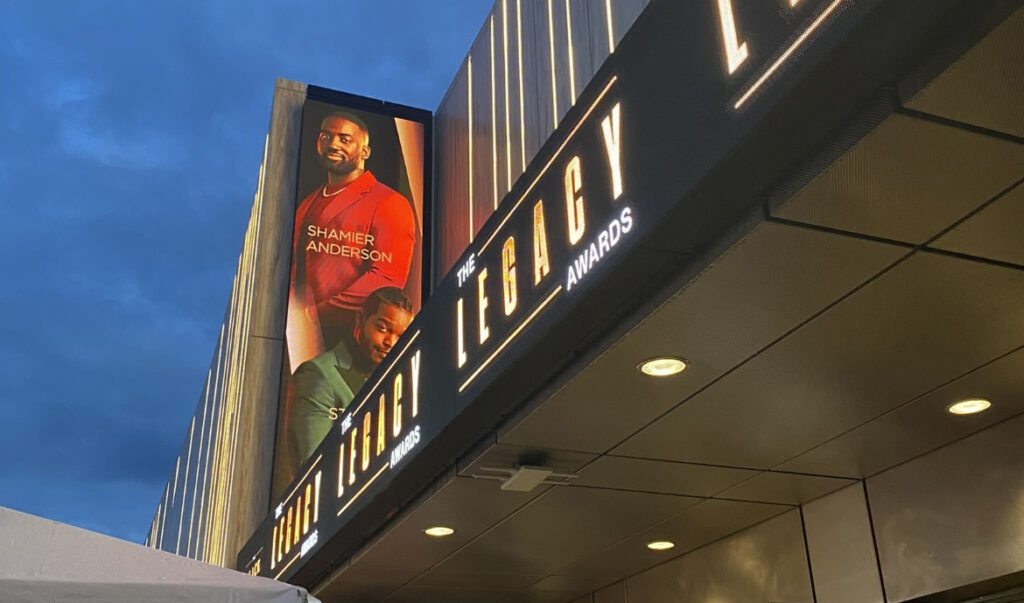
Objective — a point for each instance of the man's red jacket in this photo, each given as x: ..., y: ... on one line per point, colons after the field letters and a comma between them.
x: 350, y: 243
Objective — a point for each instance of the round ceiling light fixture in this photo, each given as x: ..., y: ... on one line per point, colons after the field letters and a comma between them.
x: 662, y: 366
x: 969, y: 406
x: 660, y: 545
x: 439, y: 531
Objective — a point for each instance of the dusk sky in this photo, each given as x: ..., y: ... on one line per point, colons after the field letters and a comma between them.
x: 130, y: 141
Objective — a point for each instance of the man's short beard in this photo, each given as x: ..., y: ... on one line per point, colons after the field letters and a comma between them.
x: 338, y: 168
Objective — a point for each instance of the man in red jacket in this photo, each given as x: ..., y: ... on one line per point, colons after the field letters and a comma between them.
x: 353, y: 235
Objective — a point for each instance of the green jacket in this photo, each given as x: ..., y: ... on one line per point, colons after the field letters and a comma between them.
x: 330, y: 380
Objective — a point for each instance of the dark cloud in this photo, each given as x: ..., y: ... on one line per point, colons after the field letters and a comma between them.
x: 130, y: 139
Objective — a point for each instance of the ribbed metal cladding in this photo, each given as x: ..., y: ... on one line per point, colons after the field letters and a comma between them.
x: 525, y: 69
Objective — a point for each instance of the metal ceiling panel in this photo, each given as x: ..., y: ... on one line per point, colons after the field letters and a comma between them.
x: 841, y: 546
x: 661, y: 476
x: 560, y: 528
x: 926, y: 321
x: 786, y: 488
x: 921, y: 425
x: 908, y: 180
x: 985, y: 86
x: 419, y: 594
x: 347, y: 590
x: 469, y: 506
x: 509, y: 456
x: 766, y: 563
x: 766, y: 285
x: 689, y: 529
x: 996, y: 232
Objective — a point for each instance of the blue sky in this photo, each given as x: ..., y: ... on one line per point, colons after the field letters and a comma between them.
x: 130, y: 141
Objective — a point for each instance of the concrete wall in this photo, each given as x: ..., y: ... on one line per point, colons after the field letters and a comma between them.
x: 219, y: 489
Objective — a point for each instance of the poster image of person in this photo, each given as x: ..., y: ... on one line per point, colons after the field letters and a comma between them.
x: 353, y: 235
x: 324, y: 386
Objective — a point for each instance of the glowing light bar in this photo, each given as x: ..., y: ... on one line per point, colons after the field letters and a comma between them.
x: 787, y: 53
x: 547, y: 165
x: 511, y: 336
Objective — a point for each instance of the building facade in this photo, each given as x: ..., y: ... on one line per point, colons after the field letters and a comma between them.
x: 816, y: 205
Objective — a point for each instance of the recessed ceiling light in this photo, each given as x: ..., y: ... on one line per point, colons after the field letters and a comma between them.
x: 969, y: 406
x: 660, y: 545
x: 439, y: 531
x: 662, y: 366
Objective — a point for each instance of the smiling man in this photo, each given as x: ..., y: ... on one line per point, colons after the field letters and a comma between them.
x: 353, y: 235
x: 323, y: 387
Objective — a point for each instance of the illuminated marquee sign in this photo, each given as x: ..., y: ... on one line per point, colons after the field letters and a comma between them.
x: 574, y: 216
x: 643, y: 170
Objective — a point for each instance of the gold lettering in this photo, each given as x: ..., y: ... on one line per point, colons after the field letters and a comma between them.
x: 298, y: 518
x: 352, y: 456
x: 574, y: 201
x: 280, y: 538
x: 341, y: 469
x: 305, y: 508
x: 735, y: 51
x: 316, y: 497
x: 273, y: 549
x: 396, y: 406
x: 416, y: 383
x: 610, y: 127
x: 541, y: 264
x: 380, y: 427
x: 460, y: 335
x: 288, y: 534
x: 508, y: 275
x: 367, y: 426
x: 482, y: 297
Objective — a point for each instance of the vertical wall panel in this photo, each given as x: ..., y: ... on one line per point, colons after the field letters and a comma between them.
x: 536, y: 103
x: 583, y: 41
x: 451, y: 149
x: 954, y: 516
x: 842, y: 552
x: 616, y: 593
x: 483, y: 158
x: 764, y: 563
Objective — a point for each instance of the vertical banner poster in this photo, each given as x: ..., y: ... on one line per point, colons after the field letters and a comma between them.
x: 357, y: 269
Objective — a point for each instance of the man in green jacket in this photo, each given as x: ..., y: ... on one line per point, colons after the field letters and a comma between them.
x: 324, y: 386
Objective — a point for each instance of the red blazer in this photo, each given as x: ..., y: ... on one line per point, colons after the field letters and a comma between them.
x: 349, y: 244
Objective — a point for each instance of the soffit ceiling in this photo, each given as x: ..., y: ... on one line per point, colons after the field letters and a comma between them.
x: 824, y: 345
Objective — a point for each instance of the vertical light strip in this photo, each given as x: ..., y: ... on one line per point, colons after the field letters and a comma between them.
x: 572, y: 55
x: 184, y: 486
x: 200, y: 463
x: 519, y: 48
x: 611, y: 25
x: 230, y: 399
x: 235, y: 368
x: 469, y: 119
x: 214, y: 511
x: 508, y: 125
x: 204, y: 520
x: 151, y: 539
x: 551, y: 53
x: 494, y: 122
x: 163, y: 521
x: 174, y: 490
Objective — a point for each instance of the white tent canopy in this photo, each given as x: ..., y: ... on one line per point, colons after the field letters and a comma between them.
x: 42, y: 560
